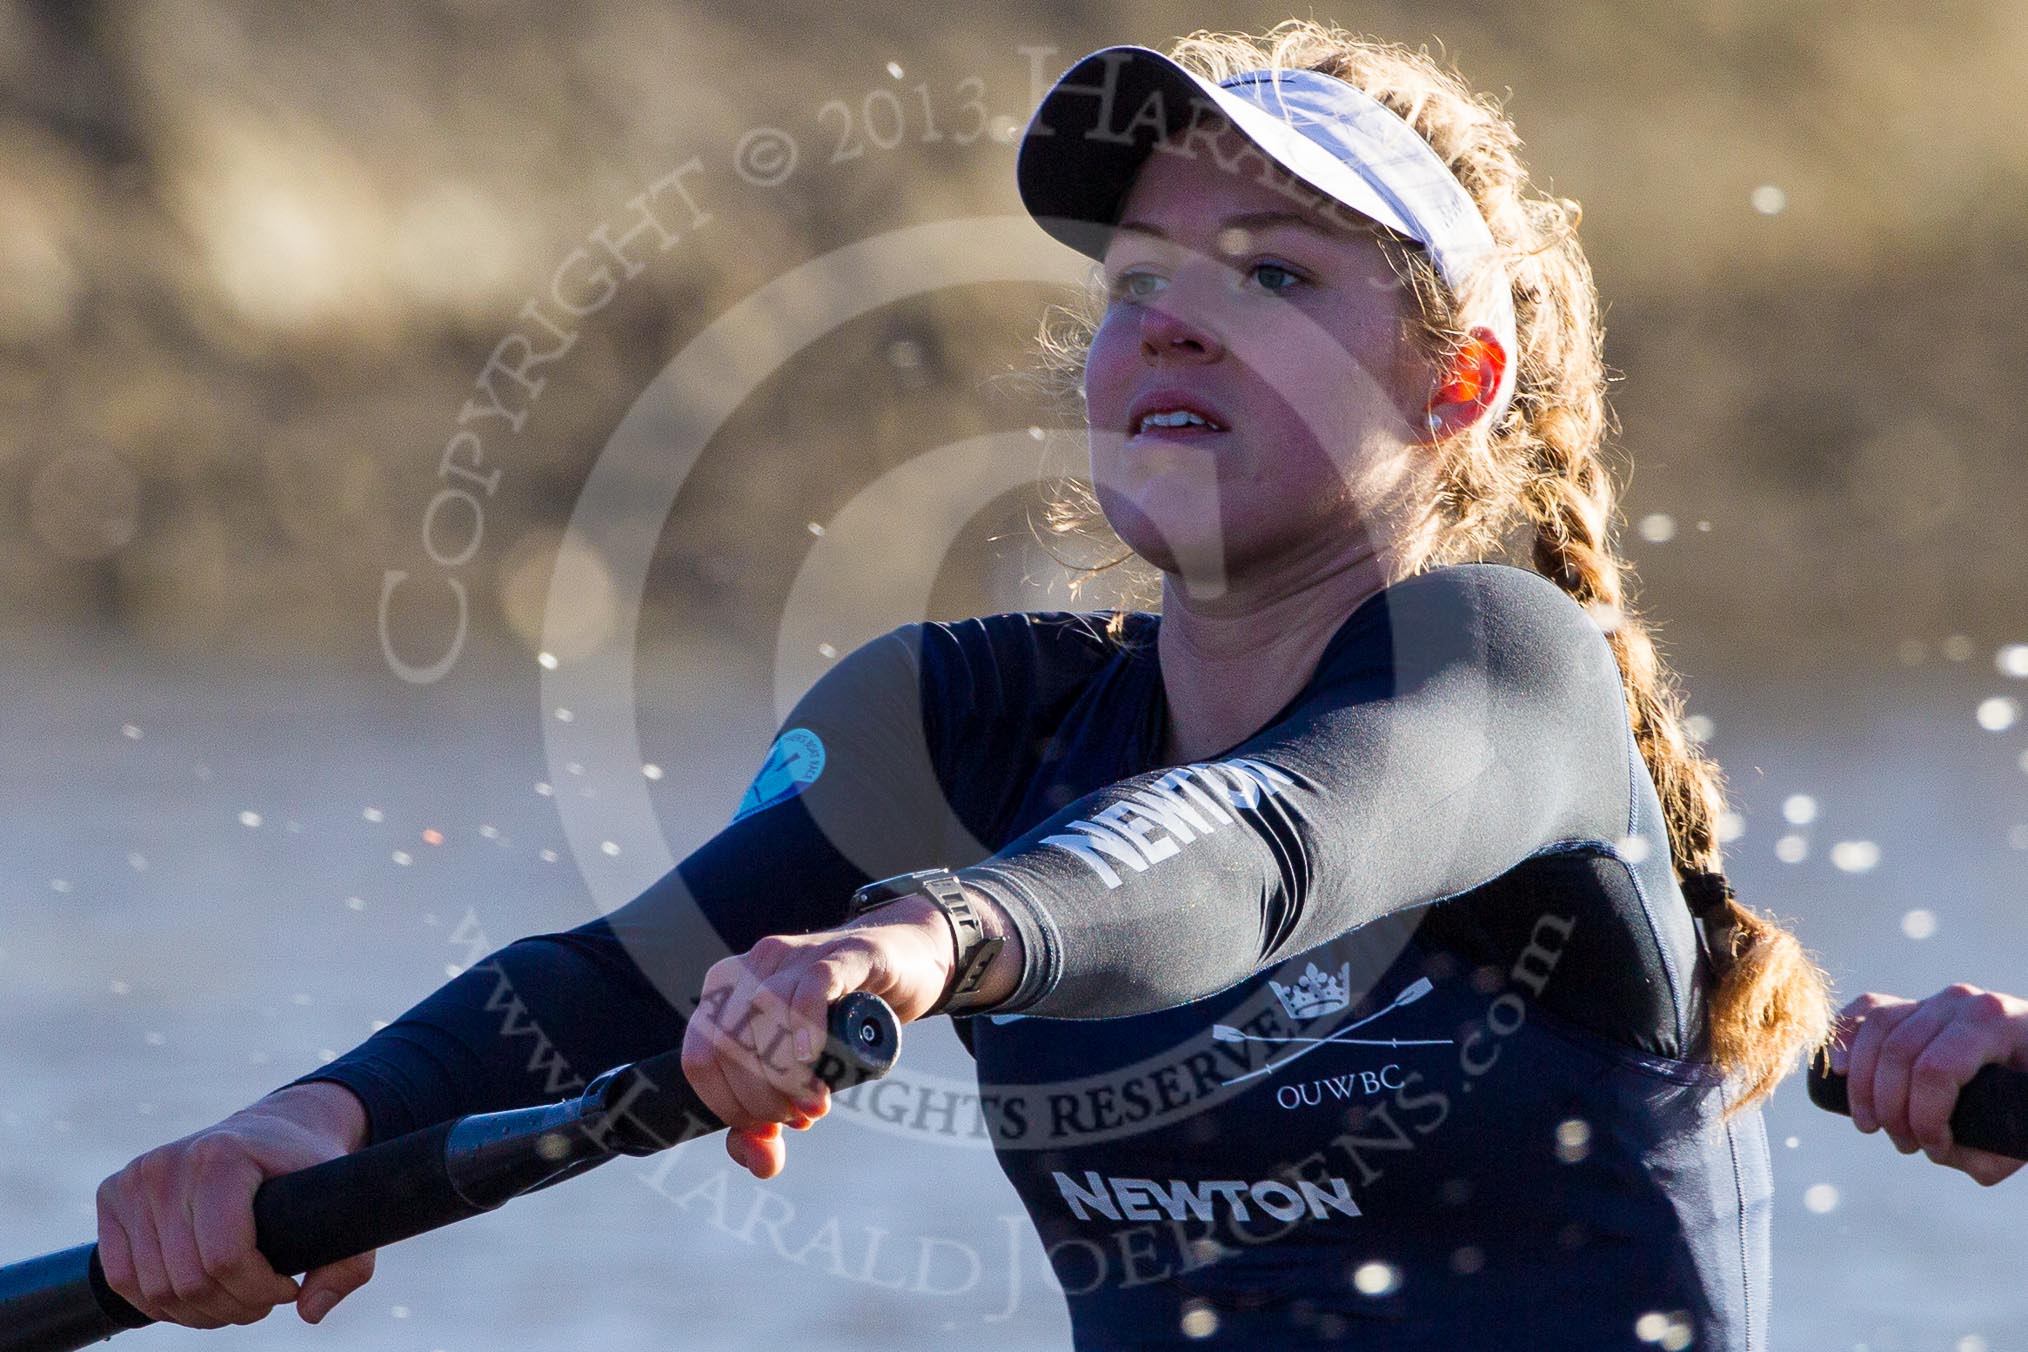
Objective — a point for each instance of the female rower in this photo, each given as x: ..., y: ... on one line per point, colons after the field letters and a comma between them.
x: 1344, y: 946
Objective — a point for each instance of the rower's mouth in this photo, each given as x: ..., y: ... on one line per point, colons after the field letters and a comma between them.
x: 1174, y: 415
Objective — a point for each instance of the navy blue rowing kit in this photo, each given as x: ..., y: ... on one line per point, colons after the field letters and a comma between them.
x: 1383, y: 1028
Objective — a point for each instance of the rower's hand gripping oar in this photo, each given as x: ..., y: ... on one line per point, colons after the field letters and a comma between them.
x: 1991, y: 1112
x: 403, y: 1187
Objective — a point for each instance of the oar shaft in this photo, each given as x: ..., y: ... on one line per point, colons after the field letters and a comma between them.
x: 431, y: 1178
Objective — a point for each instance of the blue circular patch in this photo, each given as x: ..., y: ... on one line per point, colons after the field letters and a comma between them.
x: 794, y: 762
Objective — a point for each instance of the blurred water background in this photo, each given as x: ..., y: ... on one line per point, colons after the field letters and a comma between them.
x: 254, y: 265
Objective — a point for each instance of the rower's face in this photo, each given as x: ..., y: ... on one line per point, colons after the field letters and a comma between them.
x: 1290, y: 332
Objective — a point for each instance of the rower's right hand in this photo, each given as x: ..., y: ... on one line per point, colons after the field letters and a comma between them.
x: 176, y: 1226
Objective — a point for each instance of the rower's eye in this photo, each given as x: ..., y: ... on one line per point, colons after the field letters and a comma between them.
x: 1275, y: 277
x: 1133, y: 284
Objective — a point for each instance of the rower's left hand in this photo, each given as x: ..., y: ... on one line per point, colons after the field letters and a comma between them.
x: 761, y: 1018
x: 1906, y: 1060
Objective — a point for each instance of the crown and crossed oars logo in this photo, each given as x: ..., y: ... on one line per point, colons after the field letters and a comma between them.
x: 1318, y: 993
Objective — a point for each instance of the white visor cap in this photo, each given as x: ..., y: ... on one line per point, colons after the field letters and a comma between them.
x: 1103, y: 116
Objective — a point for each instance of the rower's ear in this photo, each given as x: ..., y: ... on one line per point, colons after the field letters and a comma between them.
x: 1470, y: 380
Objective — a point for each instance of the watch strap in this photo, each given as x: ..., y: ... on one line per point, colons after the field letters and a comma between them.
x: 973, y: 951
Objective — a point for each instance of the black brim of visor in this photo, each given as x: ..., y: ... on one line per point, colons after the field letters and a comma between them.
x: 1082, y: 149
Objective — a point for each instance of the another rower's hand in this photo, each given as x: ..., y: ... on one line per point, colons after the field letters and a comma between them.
x: 761, y: 1018
x: 176, y: 1226
x: 1906, y: 1060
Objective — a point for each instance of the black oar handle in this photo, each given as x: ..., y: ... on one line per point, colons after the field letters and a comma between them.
x: 427, y: 1179
x: 1991, y: 1112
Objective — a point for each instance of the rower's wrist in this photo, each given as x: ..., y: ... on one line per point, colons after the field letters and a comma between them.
x: 924, y: 918
x: 323, y: 1107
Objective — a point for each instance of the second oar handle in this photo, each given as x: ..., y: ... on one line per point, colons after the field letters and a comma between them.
x: 1991, y: 1112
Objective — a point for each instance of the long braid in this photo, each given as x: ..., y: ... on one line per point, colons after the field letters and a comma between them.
x: 1772, y: 1001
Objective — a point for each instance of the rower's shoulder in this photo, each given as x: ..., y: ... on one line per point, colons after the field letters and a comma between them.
x: 1513, y: 619
x: 1024, y: 659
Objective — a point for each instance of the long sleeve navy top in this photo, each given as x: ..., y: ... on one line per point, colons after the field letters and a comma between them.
x: 1384, y: 1027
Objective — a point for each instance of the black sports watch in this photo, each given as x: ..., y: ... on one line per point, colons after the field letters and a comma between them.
x: 975, y: 952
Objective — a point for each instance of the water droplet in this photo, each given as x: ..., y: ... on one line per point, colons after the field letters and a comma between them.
x: 1821, y: 1198
x: 153, y: 1039
x: 1573, y: 1139
x: 1699, y: 727
x: 373, y: 814
x: 1855, y: 856
x: 130, y: 732
x: 355, y: 903
x: 547, y: 856
x: 1633, y: 849
x: 300, y: 998
x: 1957, y: 647
x: 1919, y: 924
x: 610, y: 849
x: 137, y: 862
x: 1998, y: 713
x: 826, y: 651
x: 402, y: 857
x: 120, y: 988
x: 651, y: 771
x: 1799, y: 809
x: 894, y: 69
x: 489, y: 833
x: 399, y: 1312
x: 1770, y: 200
x: 1658, y: 528
x: 1792, y: 849
x: 547, y: 661
x: 249, y: 819
x: 1731, y: 826
x: 59, y: 884
x: 1199, y: 1319
x: 564, y: 715
x: 1792, y: 1142
x: 2017, y: 836
x: 2012, y: 660
x: 816, y: 528
x: 1376, y: 1278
